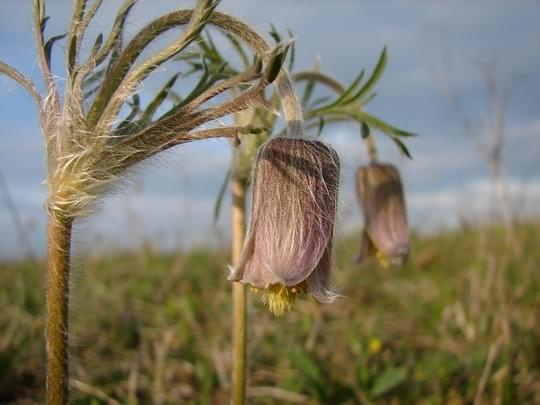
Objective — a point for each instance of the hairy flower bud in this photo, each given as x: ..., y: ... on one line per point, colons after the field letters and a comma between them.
x: 386, y: 234
x: 288, y: 247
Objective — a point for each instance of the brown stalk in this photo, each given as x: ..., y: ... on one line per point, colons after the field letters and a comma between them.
x: 238, y: 395
x: 58, y: 253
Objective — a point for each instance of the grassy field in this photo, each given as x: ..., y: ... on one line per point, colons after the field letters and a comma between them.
x: 460, y: 324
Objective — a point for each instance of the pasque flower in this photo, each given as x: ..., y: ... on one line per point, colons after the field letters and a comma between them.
x: 380, y: 194
x: 288, y: 246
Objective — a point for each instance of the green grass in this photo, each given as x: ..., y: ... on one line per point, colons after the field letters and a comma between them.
x: 460, y: 322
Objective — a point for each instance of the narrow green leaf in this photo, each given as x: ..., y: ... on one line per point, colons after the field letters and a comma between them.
x: 174, y: 96
x: 308, y: 91
x: 389, y: 379
x: 115, y: 52
x: 276, y: 62
x: 43, y: 24
x: 126, y: 125
x: 115, y: 71
x: 306, y: 365
x: 310, y: 370
x: 293, y: 50
x: 239, y: 49
x: 211, y: 42
x: 158, y: 99
x: 368, y: 99
x: 402, y: 147
x: 135, y: 101
x: 97, y: 43
x: 221, y: 194
x: 257, y: 64
x: 114, y: 42
x: 363, y: 117
x: 275, y: 34
x: 188, y: 55
x: 209, y: 49
x: 72, y: 53
x: 340, y: 100
x: 321, y: 125
x: 365, y: 130
x: 381, y: 125
x: 90, y: 93
x: 373, y: 79
x: 195, y: 66
x: 94, y: 77
x: 317, y: 102
x: 48, y: 47
x: 205, y: 82
x: 350, y: 89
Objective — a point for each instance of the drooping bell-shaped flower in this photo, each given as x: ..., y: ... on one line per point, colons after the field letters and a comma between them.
x: 288, y: 246
x: 386, y: 234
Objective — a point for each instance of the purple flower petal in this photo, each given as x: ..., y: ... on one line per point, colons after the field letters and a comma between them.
x: 289, y: 240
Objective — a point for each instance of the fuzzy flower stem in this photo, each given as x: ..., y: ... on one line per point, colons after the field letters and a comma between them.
x: 202, y: 12
x: 83, y: 25
x: 238, y: 189
x: 291, y: 105
x: 244, y: 77
x: 79, y: 7
x: 225, y: 132
x: 316, y: 76
x: 292, y: 108
x: 59, y: 236
x: 27, y: 84
x: 39, y: 25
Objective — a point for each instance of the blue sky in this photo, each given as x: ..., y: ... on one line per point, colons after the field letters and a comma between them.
x: 430, y: 44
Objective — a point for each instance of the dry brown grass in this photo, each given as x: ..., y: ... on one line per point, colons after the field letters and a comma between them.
x: 459, y: 324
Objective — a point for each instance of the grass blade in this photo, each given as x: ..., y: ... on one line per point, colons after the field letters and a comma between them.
x: 221, y: 194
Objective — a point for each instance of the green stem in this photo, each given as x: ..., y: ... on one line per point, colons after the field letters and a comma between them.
x: 238, y: 189
x: 58, y: 263
x: 369, y: 142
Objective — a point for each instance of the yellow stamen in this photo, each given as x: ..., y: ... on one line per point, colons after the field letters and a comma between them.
x: 383, y: 259
x: 280, y: 298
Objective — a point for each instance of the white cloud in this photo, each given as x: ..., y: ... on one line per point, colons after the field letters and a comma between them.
x: 471, y: 201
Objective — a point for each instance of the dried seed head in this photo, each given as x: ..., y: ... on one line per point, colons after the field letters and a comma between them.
x: 288, y: 247
x: 386, y: 234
